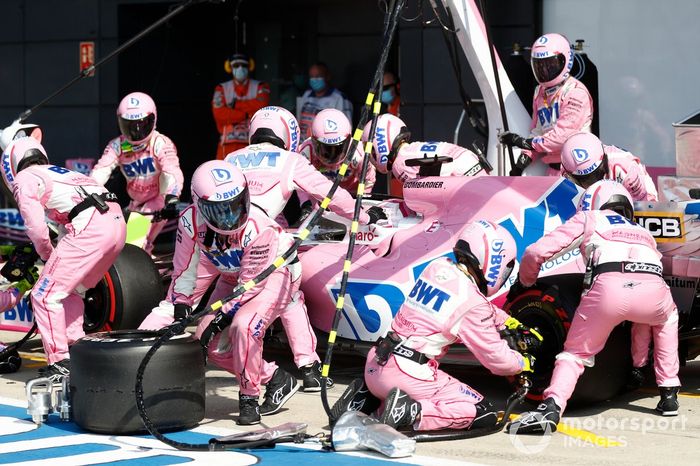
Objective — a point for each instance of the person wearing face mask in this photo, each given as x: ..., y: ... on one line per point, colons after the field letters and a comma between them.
x: 321, y: 95
x: 235, y: 101
x: 391, y: 98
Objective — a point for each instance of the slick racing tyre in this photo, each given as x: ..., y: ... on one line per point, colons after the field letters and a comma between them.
x: 126, y: 294
x: 551, y: 310
x: 103, y: 375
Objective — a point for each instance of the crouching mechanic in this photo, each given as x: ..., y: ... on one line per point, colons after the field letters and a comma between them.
x: 275, y: 170
x: 391, y: 149
x: 448, y: 304
x: 585, y: 160
x: 148, y: 160
x: 326, y: 148
x: 94, y: 233
x: 623, y: 282
x: 223, y: 234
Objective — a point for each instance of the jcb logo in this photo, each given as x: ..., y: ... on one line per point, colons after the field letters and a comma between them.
x: 665, y: 227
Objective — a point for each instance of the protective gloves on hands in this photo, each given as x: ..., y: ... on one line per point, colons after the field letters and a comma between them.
x: 216, y: 326
x: 181, y: 311
x: 376, y: 213
x: 520, y: 337
x: 528, y: 363
x: 520, y: 165
x: 168, y: 212
x: 513, y: 139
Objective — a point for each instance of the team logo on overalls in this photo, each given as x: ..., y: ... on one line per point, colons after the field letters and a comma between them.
x: 580, y: 155
x: 220, y: 176
x: 331, y: 126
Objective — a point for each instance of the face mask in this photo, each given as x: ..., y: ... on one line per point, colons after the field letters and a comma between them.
x: 317, y: 84
x: 387, y: 96
x: 240, y: 73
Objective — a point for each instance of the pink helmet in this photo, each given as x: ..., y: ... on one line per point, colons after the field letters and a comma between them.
x: 137, y: 117
x: 275, y: 125
x: 583, y: 159
x: 608, y: 195
x: 330, y: 136
x: 220, y: 192
x: 20, y: 154
x: 551, y: 59
x: 391, y: 131
x: 489, y: 251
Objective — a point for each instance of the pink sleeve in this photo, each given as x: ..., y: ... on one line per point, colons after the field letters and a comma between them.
x: 28, y: 191
x: 575, y: 109
x: 185, y: 260
x: 478, y: 330
x: 257, y: 256
x: 106, y: 165
x: 311, y: 181
x: 8, y: 299
x: 171, y: 178
x: 564, y: 238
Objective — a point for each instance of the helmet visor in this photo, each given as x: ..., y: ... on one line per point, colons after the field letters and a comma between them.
x: 546, y: 69
x: 229, y: 215
x: 137, y: 130
x: 330, y: 154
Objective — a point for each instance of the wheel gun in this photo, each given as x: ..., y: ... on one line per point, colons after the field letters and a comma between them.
x: 20, y: 262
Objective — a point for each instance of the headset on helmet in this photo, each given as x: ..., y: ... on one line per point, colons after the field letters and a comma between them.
x: 20, y: 154
x: 551, y: 59
x: 489, y: 252
x: 608, y: 195
x: 330, y: 136
x: 275, y: 125
x: 389, y: 134
x: 137, y: 116
x: 237, y: 58
x: 220, y: 192
x: 583, y: 159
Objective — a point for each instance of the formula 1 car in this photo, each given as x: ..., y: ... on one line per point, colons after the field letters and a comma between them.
x: 424, y: 225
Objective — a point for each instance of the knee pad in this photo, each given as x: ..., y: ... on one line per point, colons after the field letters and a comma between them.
x: 486, y: 415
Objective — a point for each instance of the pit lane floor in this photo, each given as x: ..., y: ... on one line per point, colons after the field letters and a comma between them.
x: 622, y: 431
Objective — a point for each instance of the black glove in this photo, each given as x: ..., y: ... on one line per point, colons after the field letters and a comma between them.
x: 520, y: 165
x: 513, y: 139
x: 516, y: 289
x: 182, y: 311
x: 168, y: 212
x: 216, y: 326
x: 520, y: 337
x: 376, y: 213
x: 10, y: 362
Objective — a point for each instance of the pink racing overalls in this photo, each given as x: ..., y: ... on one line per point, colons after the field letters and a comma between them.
x: 464, y: 162
x: 352, y: 175
x: 627, y: 285
x: 89, y: 245
x: 152, y: 171
x: 444, y: 307
x: 201, y: 256
x: 627, y: 169
x: 273, y: 174
x: 557, y: 113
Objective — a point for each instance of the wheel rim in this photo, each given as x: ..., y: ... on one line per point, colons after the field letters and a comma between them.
x: 97, y: 308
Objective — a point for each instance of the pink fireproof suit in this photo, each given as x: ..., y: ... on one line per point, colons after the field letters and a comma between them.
x: 444, y: 307
x: 152, y: 171
x: 89, y: 246
x: 643, y: 298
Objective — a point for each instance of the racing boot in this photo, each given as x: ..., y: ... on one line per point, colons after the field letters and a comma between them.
x: 400, y: 410
x: 311, y: 378
x: 668, y: 405
x: 10, y: 361
x: 56, y: 371
x: 356, y: 397
x: 542, y: 421
x: 280, y: 388
x: 486, y: 415
x: 248, y: 410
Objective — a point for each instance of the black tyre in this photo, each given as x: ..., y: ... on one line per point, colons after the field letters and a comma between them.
x: 103, y: 375
x: 551, y: 312
x: 126, y: 294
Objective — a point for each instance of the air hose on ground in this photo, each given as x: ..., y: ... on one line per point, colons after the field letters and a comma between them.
x: 179, y: 327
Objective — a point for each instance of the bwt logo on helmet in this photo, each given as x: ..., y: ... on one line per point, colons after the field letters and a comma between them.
x: 220, y: 176
x: 495, y: 261
x: 588, y: 170
x: 580, y: 155
x: 331, y: 126
x: 7, y: 168
x: 382, y: 147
